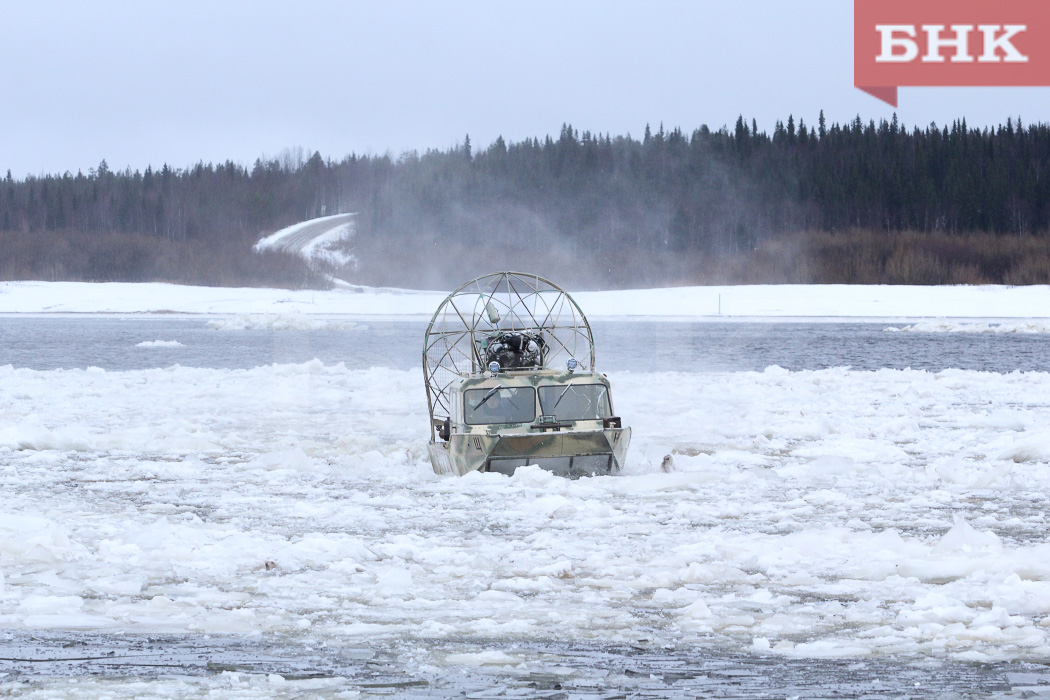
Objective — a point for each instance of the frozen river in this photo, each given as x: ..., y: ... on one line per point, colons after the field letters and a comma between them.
x: 114, y: 343
x: 230, y: 517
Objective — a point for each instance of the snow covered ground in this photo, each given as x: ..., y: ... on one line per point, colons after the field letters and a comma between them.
x: 724, y: 302
x: 828, y: 513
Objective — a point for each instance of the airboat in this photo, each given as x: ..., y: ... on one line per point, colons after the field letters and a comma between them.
x: 508, y: 360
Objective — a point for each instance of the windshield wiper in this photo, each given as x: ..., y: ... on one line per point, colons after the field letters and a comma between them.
x: 487, y: 396
x: 562, y: 395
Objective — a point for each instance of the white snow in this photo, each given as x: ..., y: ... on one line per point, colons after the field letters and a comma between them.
x: 159, y: 344
x: 715, y: 303
x: 963, y: 327
x: 817, y: 513
x: 154, y: 298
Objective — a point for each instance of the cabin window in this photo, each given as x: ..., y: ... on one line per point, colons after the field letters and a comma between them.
x: 499, y: 405
x: 575, y: 401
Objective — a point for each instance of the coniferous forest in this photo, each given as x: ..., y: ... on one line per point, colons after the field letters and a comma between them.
x: 851, y: 203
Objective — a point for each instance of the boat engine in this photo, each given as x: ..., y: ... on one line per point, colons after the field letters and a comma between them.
x: 516, y: 350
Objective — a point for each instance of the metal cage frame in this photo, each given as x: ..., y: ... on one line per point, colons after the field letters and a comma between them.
x: 496, y: 303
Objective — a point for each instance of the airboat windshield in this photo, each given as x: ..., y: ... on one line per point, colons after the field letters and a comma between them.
x: 499, y: 405
x: 575, y: 401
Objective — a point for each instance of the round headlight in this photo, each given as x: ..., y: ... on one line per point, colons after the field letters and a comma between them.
x: 572, y: 364
x: 494, y: 367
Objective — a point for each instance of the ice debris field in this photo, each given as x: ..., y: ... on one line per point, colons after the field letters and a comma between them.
x: 817, y: 513
x: 831, y: 513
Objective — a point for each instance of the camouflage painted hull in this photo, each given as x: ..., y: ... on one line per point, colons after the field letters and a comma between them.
x: 566, y: 453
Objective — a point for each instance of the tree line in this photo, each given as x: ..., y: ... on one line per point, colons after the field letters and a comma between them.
x: 860, y: 201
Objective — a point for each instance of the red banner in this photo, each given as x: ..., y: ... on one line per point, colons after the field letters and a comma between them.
x: 949, y: 43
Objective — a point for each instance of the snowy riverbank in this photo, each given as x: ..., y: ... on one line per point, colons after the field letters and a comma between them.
x: 716, y: 302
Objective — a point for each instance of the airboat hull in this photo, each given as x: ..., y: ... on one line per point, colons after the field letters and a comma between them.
x: 571, y: 454
x: 441, y: 460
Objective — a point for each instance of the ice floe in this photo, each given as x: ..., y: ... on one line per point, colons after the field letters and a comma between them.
x: 829, y: 513
x: 159, y: 344
x: 948, y: 326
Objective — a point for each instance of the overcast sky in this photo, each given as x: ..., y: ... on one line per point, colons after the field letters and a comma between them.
x: 145, y: 83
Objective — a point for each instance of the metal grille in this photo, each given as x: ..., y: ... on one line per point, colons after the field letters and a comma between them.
x: 497, y: 303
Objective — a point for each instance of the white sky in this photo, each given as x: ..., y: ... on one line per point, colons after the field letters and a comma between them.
x: 143, y: 82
